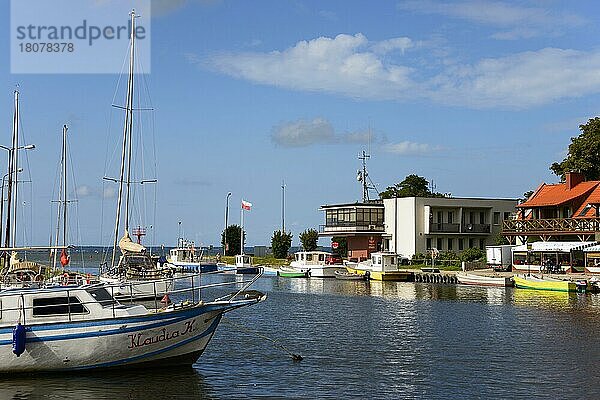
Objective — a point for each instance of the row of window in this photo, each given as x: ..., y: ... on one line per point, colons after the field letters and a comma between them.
x: 367, y: 216
x: 469, y: 217
x: 443, y: 244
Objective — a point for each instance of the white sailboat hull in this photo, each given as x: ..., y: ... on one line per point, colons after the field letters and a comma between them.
x: 176, y: 336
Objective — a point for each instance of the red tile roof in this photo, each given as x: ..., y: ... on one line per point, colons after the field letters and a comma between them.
x: 559, y: 194
x: 593, y: 199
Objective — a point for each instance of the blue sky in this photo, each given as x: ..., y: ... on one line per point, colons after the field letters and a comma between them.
x: 480, y: 97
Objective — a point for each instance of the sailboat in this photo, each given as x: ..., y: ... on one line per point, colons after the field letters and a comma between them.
x: 15, y: 271
x: 130, y: 262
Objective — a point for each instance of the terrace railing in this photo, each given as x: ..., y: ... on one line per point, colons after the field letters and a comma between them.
x: 564, y: 226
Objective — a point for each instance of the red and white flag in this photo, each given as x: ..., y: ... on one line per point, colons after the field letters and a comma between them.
x: 246, y: 205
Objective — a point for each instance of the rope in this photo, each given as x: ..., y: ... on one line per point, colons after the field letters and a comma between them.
x: 245, y: 329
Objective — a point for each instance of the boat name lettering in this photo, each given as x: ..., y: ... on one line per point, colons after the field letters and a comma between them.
x: 140, y: 339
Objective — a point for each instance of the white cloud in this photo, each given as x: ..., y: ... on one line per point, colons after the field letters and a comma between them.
x: 109, y: 192
x: 408, y: 148
x: 350, y: 66
x: 84, y: 191
x: 303, y: 133
x: 526, y: 22
x: 520, y: 80
x: 335, y: 65
x: 400, y: 43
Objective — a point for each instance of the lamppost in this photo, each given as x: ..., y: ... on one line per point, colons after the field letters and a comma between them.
x: 12, y: 164
x: 2, y: 200
x: 226, y: 222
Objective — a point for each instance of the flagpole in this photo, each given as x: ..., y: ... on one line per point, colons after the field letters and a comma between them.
x: 242, y: 231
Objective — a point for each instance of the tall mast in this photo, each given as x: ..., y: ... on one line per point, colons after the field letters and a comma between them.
x: 62, y: 202
x: 64, y: 165
x: 126, y: 147
x: 12, y: 161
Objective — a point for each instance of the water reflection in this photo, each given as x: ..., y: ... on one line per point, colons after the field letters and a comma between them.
x: 183, y: 382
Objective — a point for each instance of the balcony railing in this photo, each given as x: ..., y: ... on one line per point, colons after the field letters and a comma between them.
x: 475, y: 228
x: 350, y: 227
x: 444, y: 228
x: 564, y: 226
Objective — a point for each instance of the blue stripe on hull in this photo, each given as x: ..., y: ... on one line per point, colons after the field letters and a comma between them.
x: 120, y: 320
x: 209, y: 331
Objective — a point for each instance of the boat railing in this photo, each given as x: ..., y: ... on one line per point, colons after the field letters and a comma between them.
x: 118, y: 295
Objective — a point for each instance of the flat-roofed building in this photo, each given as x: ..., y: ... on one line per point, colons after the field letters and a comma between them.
x: 361, y: 224
x: 417, y: 224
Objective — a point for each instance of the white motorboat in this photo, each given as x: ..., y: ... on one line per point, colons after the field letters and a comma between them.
x: 483, y: 280
x: 84, y: 327
x: 314, y: 263
x: 243, y: 265
x: 185, y: 257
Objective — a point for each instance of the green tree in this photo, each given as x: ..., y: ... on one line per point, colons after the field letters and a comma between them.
x: 233, y: 239
x: 309, y: 239
x: 584, y: 153
x: 281, y: 243
x: 342, y: 249
x: 412, y: 185
x: 472, y: 254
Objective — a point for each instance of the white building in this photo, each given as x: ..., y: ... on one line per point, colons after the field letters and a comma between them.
x: 416, y: 224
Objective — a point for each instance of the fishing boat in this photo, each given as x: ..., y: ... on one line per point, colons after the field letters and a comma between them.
x: 382, y: 266
x: 243, y: 265
x: 83, y: 327
x: 288, y: 272
x: 483, y: 280
x: 315, y: 264
x: 349, y: 276
x: 544, y: 283
x: 185, y: 258
x: 268, y: 270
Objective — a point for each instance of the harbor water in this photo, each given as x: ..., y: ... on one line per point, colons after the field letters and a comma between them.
x: 383, y: 340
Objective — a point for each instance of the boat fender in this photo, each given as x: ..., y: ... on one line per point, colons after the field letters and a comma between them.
x: 19, y: 339
x: 88, y: 278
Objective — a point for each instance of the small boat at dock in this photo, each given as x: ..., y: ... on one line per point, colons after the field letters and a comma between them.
x: 315, y: 263
x: 349, y: 276
x: 483, y: 280
x: 382, y: 266
x: 185, y: 257
x: 287, y: 272
x: 544, y: 283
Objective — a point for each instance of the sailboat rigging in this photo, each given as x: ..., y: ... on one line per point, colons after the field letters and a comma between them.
x: 133, y: 262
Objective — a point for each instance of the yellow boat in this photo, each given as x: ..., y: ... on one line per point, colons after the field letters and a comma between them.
x: 383, y: 266
x: 541, y: 283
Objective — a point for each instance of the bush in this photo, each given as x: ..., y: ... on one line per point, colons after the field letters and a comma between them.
x: 472, y: 254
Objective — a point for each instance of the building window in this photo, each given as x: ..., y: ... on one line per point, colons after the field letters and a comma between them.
x: 496, y: 218
x: 482, y: 244
x: 440, y: 217
x: 482, y: 218
x: 428, y: 243
x: 461, y: 245
x: 471, y: 243
x: 450, y: 217
x: 450, y: 240
x: 506, y: 215
x: 57, y: 306
x: 439, y: 243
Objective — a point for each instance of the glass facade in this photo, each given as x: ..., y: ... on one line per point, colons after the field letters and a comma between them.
x: 354, y: 217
